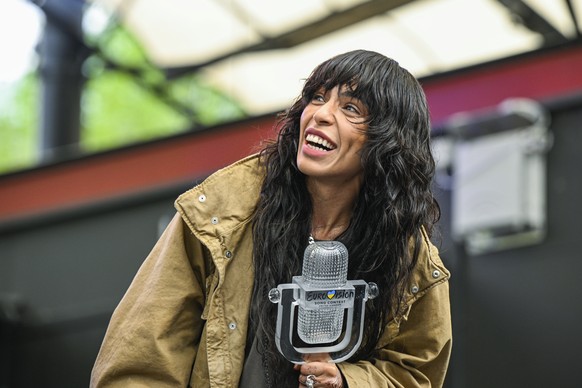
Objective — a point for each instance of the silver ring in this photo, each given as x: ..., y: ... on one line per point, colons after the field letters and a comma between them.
x: 309, y: 381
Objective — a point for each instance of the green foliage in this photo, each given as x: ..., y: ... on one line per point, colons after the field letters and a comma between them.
x: 117, y: 43
x: 18, y: 123
x: 117, y: 111
x: 210, y: 105
x: 125, y: 100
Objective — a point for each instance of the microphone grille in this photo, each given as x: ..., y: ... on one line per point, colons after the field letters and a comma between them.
x: 325, y: 264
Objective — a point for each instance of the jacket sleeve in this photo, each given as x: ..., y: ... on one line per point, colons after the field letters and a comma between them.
x: 154, y: 333
x: 419, y: 353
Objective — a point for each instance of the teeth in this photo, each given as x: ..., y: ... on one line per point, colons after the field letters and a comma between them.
x: 318, y: 140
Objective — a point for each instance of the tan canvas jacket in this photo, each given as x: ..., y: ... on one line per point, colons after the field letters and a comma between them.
x: 183, y: 320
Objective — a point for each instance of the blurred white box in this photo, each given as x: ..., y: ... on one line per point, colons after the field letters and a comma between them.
x: 499, y: 187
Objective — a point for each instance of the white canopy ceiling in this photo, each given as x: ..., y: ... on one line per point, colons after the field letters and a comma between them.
x: 259, y: 51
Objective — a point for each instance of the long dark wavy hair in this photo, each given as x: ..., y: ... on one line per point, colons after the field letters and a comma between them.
x: 395, y: 201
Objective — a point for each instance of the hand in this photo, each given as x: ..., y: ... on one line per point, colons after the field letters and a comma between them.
x: 323, y: 372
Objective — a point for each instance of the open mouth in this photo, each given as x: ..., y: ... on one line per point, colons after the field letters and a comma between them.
x: 319, y: 143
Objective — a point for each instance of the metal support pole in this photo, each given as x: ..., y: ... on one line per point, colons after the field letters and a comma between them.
x: 62, y: 53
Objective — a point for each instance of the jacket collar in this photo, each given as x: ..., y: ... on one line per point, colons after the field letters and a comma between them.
x: 224, y: 200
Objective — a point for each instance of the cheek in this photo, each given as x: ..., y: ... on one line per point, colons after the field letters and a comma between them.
x: 304, y: 120
x: 358, y: 142
x: 302, y: 126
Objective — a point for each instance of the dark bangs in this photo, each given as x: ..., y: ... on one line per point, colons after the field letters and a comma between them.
x: 366, y: 74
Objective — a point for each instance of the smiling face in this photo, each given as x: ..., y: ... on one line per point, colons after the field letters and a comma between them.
x: 332, y: 134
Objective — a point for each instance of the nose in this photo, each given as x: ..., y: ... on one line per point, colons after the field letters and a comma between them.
x: 325, y: 113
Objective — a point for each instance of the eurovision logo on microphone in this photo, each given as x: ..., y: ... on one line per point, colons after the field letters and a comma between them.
x: 338, y: 298
x: 329, y: 295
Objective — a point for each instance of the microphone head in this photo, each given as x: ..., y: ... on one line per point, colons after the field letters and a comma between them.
x: 325, y: 264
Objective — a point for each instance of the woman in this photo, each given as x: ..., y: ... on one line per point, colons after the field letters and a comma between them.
x: 352, y: 162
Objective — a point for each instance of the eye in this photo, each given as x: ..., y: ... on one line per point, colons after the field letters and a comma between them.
x: 318, y: 98
x: 352, y: 108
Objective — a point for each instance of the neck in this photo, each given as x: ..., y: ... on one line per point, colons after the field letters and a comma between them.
x: 332, y: 209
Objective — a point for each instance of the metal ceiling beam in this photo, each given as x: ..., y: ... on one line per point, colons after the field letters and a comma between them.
x: 532, y: 20
x: 334, y: 22
x: 573, y: 16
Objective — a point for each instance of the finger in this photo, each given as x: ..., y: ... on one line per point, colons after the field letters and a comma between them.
x: 310, y: 368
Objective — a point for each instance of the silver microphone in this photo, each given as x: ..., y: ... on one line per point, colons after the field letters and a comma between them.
x: 325, y: 266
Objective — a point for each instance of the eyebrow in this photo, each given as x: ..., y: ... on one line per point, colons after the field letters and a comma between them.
x: 347, y: 91
x: 349, y: 94
x: 344, y: 91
